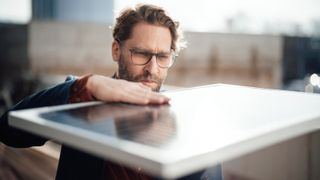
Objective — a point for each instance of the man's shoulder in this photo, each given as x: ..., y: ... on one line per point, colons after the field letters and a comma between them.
x: 71, y: 78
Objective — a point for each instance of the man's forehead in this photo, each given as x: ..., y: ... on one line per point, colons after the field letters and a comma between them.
x: 150, y: 37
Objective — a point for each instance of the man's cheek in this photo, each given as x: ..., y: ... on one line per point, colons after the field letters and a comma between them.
x: 135, y: 70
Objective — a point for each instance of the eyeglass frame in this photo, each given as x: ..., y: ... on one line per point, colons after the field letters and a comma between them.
x: 151, y: 54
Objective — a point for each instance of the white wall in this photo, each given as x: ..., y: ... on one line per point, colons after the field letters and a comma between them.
x: 59, y: 47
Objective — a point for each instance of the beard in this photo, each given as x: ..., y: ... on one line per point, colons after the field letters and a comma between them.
x: 126, y: 74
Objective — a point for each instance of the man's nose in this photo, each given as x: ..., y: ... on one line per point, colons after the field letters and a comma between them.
x: 152, y: 65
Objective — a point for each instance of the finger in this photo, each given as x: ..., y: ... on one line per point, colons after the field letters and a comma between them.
x: 154, y: 97
x: 137, y: 93
x: 135, y: 99
x: 133, y: 94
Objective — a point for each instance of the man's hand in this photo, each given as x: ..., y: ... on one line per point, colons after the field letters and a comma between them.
x: 113, y: 90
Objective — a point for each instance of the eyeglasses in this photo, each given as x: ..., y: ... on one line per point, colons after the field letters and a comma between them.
x: 142, y: 57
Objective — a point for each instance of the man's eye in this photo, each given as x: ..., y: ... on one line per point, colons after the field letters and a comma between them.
x: 163, y: 57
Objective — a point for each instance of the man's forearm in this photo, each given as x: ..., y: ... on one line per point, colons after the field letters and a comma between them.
x: 53, y: 96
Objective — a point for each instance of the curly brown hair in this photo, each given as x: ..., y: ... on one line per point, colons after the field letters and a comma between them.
x: 150, y: 14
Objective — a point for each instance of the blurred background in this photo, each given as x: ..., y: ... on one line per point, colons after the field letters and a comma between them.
x: 270, y: 44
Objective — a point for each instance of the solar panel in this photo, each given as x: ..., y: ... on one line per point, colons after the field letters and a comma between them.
x: 200, y: 127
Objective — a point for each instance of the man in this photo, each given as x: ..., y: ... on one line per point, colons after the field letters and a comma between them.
x: 146, y: 41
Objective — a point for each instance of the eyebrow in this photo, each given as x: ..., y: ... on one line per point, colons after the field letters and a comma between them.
x: 150, y: 51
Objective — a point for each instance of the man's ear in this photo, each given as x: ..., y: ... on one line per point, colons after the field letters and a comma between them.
x: 116, y: 51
